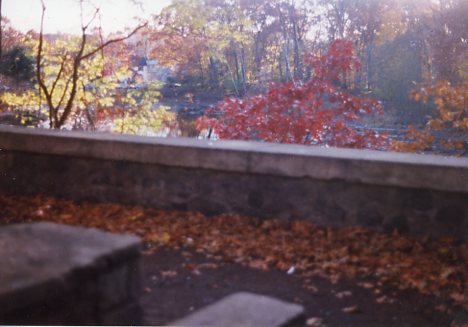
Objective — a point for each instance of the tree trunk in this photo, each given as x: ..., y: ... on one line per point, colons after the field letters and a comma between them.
x: 258, y: 55
x: 213, y: 73
x: 243, y: 71
x: 287, y: 67
x: 236, y: 62
x: 1, y: 32
x: 202, y: 71
x: 232, y: 79
x: 298, y: 72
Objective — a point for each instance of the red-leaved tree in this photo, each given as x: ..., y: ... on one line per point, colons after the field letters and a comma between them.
x: 317, y: 111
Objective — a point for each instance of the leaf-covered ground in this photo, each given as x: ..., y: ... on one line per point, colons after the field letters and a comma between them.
x: 438, y: 268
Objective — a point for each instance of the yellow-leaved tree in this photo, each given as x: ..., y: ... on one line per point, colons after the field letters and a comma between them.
x: 78, y: 86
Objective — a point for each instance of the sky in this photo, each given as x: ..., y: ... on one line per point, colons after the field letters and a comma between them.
x: 64, y: 15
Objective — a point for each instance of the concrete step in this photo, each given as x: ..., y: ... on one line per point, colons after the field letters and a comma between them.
x: 61, y: 275
x: 246, y: 309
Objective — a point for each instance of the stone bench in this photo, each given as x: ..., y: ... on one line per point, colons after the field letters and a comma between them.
x: 53, y: 274
x: 246, y: 310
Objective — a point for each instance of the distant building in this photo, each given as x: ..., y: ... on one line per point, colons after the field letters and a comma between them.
x: 151, y: 71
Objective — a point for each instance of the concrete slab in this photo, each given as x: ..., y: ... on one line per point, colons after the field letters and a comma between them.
x: 246, y: 309
x: 45, y: 262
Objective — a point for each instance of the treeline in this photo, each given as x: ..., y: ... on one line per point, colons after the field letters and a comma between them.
x: 238, y: 45
x: 406, y: 48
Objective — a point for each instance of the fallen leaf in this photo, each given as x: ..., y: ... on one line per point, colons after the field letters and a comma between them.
x: 168, y: 273
x: 258, y: 264
x: 352, y: 309
x: 384, y: 299
x: 135, y: 215
x: 65, y: 216
x: 441, y: 308
x: 447, y: 272
x: 207, y: 265
x: 334, y: 278
x: 314, y: 322
x: 189, y: 266
x: 342, y: 295
x: 39, y: 213
x: 457, y: 297
x: 434, y: 267
x: 311, y: 288
x: 162, y: 238
x: 366, y: 285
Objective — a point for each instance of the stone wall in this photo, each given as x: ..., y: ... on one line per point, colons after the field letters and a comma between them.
x: 424, y: 195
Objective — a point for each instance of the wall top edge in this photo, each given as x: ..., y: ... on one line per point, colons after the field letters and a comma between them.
x: 365, y: 166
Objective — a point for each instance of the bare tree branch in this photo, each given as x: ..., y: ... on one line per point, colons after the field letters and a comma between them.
x: 1, y: 30
x: 57, y: 116
x: 65, y: 90
x: 92, y: 19
x: 59, y: 74
x: 42, y: 85
x: 116, y: 40
x: 75, y: 76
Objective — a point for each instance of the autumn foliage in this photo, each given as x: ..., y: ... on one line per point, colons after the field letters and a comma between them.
x: 451, y: 102
x: 432, y: 267
x: 315, y: 112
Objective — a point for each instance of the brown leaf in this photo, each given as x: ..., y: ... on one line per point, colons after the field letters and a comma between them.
x: 162, y: 238
x: 135, y: 215
x: 311, y: 288
x: 384, y: 299
x: 457, y: 297
x: 352, y: 309
x: 39, y: 213
x: 65, y: 216
x: 342, y: 295
x: 258, y: 264
x: 406, y: 262
x: 447, y: 272
x: 366, y: 285
x: 314, y: 322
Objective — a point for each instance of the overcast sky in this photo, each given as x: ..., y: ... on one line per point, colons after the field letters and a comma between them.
x: 64, y: 15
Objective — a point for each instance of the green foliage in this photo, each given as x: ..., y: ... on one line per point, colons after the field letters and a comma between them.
x: 16, y: 63
x: 396, y: 68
